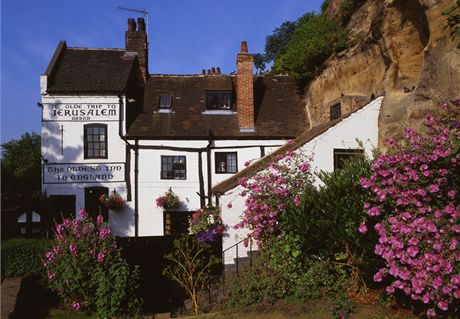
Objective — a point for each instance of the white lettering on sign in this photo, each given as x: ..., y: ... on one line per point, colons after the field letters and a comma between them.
x: 80, y: 112
x: 83, y: 173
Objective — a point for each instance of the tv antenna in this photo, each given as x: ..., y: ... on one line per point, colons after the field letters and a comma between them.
x: 144, y: 12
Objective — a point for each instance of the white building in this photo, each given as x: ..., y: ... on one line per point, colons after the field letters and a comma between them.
x: 108, y: 125
x: 327, y: 145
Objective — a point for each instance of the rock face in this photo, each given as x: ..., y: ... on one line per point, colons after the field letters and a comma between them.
x: 398, y: 48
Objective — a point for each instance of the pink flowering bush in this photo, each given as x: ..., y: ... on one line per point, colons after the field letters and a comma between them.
x: 416, y: 194
x: 269, y: 191
x: 85, y: 268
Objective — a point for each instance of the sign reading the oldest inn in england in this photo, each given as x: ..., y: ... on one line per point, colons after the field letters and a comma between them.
x: 80, y: 112
x: 83, y: 173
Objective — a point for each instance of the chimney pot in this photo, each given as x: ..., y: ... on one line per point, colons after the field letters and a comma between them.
x: 131, y: 25
x: 218, y: 71
x: 203, y: 72
x: 141, y: 23
x: 209, y: 72
x: 213, y: 70
x: 244, y: 47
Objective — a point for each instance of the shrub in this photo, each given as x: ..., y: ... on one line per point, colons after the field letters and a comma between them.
x: 327, y: 220
x: 270, y: 191
x: 416, y: 192
x: 87, y: 271
x: 313, y: 41
x: 190, y: 266
x: 23, y: 257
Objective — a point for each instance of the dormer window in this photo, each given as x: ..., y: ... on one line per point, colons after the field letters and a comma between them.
x: 219, y: 101
x: 166, y: 102
x: 335, y: 111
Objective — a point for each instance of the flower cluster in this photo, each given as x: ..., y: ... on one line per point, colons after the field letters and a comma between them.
x: 112, y: 201
x: 416, y: 195
x: 168, y: 200
x: 270, y: 191
x: 81, y: 245
x: 207, y: 224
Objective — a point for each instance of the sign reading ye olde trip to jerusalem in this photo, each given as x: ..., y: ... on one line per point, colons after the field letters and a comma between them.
x: 83, y: 173
x: 80, y: 112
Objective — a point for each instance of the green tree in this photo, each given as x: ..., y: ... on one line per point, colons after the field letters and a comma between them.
x: 314, y: 40
x: 21, y: 167
x: 453, y: 21
x: 275, y: 44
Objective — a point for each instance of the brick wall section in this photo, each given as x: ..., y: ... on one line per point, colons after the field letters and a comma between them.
x: 245, y: 89
x: 136, y: 41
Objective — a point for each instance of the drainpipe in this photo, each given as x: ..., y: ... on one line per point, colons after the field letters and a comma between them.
x: 208, y: 153
x: 136, y: 188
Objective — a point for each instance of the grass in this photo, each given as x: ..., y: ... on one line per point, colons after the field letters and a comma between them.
x: 309, y: 310
x: 67, y: 314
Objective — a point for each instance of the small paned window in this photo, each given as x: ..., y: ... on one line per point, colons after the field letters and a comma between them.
x: 226, y: 162
x: 176, y: 223
x: 95, y: 141
x: 343, y: 155
x: 336, y: 111
x: 218, y: 100
x: 166, y: 101
x: 173, y: 167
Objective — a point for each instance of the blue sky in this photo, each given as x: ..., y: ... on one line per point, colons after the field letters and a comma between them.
x: 185, y: 36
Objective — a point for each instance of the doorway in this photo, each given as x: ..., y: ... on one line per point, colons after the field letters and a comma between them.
x: 92, y: 206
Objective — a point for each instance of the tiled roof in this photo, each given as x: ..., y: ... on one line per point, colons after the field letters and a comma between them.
x: 86, y: 70
x: 262, y: 163
x: 279, y: 108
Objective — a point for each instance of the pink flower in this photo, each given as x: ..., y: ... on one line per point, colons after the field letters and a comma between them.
x: 83, y: 213
x: 73, y: 249
x: 362, y: 228
x: 229, y: 205
x: 99, y: 219
x: 297, y: 200
x: 76, y: 306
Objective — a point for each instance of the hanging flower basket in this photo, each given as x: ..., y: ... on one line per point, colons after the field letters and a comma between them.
x: 168, y: 201
x: 207, y: 224
x: 112, y: 201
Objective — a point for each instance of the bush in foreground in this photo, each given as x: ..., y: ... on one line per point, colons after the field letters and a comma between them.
x: 86, y: 269
x: 416, y: 190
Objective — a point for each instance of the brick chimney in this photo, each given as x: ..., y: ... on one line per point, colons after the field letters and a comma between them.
x: 245, y: 89
x: 136, y: 41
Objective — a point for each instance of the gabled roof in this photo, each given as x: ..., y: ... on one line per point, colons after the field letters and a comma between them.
x: 88, y: 70
x: 279, y: 108
x: 262, y: 163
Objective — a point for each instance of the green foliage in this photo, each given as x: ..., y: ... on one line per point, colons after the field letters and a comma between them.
x: 21, y: 166
x: 23, y: 257
x: 275, y: 44
x: 313, y: 41
x: 190, y: 266
x: 86, y: 269
x: 327, y: 221
x: 453, y: 21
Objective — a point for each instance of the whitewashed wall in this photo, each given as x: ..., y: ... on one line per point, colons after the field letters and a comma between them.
x: 359, y: 130
x: 73, y: 153
x: 150, y: 186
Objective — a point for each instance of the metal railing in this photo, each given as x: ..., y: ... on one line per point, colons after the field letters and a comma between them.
x: 236, y: 256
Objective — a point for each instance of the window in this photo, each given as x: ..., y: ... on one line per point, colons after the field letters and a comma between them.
x: 335, y: 111
x: 95, y: 141
x: 173, y: 167
x: 218, y: 100
x: 166, y: 101
x: 176, y: 223
x: 226, y: 162
x: 342, y: 155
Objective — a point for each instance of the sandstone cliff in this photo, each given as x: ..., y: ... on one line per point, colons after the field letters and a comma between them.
x: 398, y: 48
